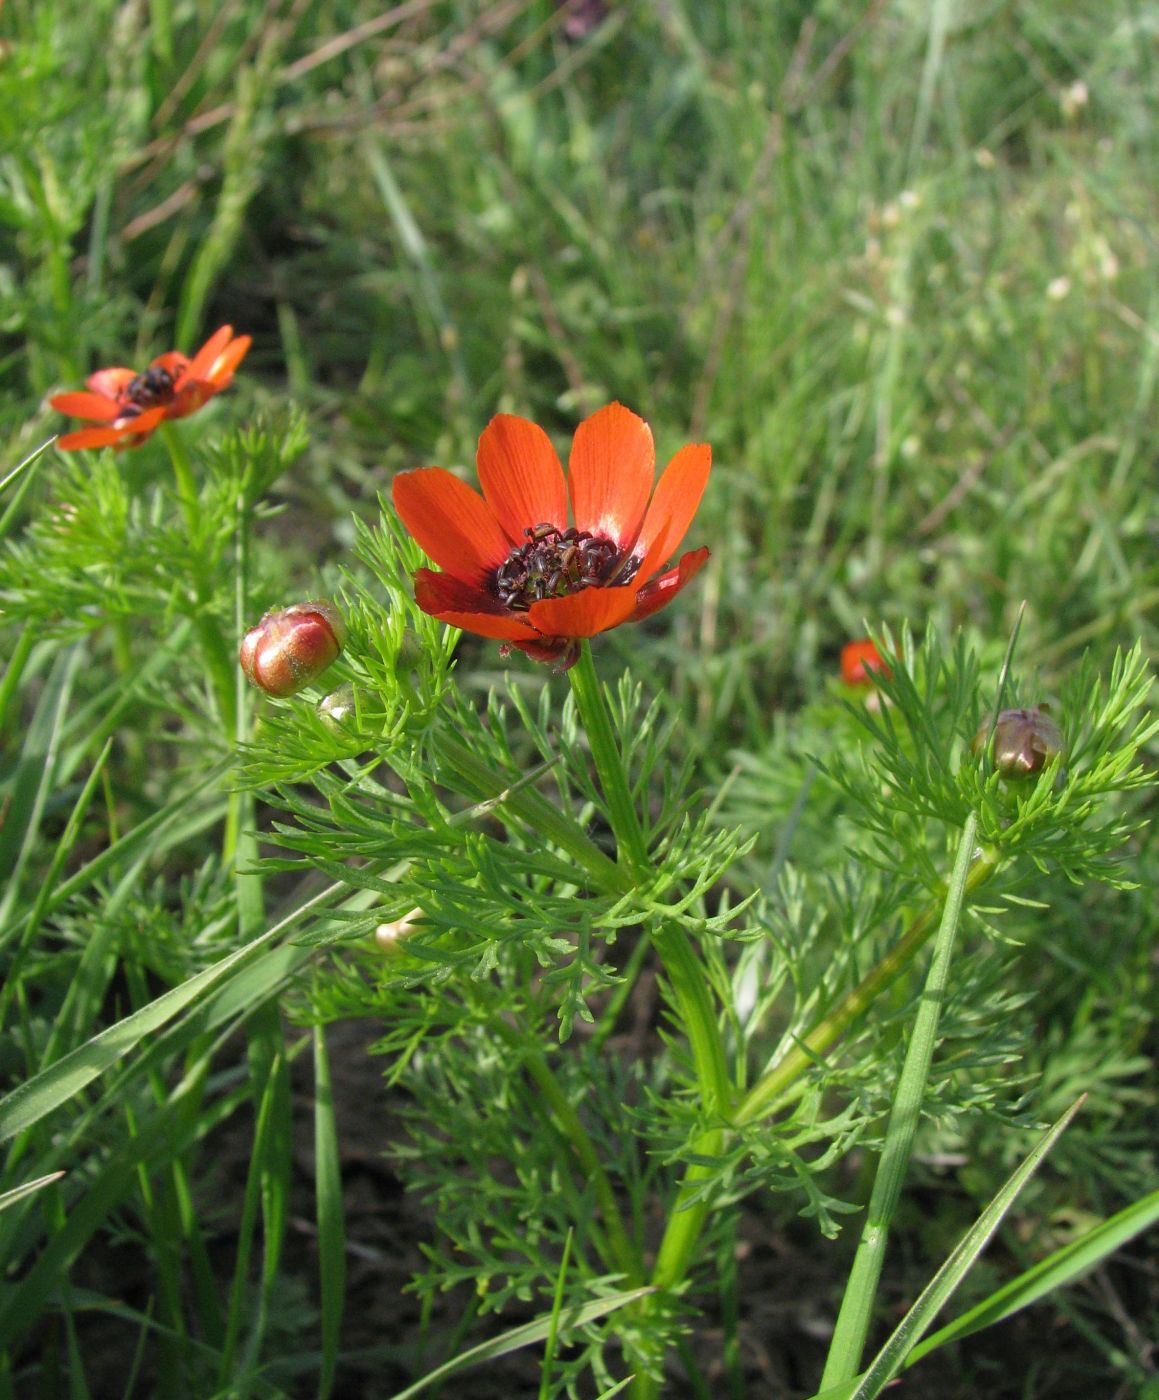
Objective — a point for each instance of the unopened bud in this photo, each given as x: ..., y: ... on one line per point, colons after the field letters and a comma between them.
x: 391, y: 937
x: 290, y: 647
x: 337, y: 709
x: 1025, y: 741
x: 410, y: 651
x: 859, y: 660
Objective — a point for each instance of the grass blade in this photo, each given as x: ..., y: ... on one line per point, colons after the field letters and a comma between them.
x: 35, y: 774
x: 1057, y: 1270
x: 30, y: 1101
x: 528, y: 1335
x: 17, y: 1193
x: 21, y: 469
x: 896, y: 1351
x: 330, y: 1216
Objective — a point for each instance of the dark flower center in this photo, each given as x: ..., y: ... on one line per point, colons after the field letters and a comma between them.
x: 152, y: 389
x: 555, y: 563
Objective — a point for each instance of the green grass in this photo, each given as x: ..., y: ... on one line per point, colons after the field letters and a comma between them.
x: 896, y: 263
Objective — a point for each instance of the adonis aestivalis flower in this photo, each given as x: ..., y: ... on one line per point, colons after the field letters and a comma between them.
x: 130, y: 407
x: 514, y: 567
x: 859, y: 661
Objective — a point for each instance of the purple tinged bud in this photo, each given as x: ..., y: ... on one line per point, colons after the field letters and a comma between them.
x: 1025, y: 741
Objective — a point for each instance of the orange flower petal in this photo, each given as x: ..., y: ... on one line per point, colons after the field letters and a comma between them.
x: 94, y: 407
x: 660, y: 592
x: 451, y: 522
x: 110, y: 382
x: 201, y: 366
x: 451, y: 600
x: 143, y: 425
x: 90, y: 437
x: 500, y: 629
x: 222, y: 369
x: 613, y: 461
x: 190, y: 397
x: 583, y: 614
x: 435, y: 593
x: 673, y: 505
x: 521, y: 477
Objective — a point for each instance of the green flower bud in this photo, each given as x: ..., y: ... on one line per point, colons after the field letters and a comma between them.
x: 1025, y: 741
x: 290, y: 647
x: 410, y: 651
x: 337, y: 709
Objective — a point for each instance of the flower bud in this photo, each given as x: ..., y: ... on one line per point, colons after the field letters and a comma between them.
x: 1025, y: 741
x: 337, y: 709
x: 410, y: 652
x: 392, y: 937
x: 858, y: 662
x: 290, y: 647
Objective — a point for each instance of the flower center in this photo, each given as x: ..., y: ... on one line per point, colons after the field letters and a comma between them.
x: 151, y: 389
x: 555, y: 563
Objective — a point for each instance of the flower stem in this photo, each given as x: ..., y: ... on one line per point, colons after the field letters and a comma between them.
x: 686, y: 976
x: 224, y: 676
x: 631, y: 848
x: 534, y: 809
x: 240, y: 842
x: 219, y: 661
x: 183, y: 476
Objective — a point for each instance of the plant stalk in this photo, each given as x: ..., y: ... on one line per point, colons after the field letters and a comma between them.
x: 219, y: 660
x: 777, y: 1081
x: 686, y: 976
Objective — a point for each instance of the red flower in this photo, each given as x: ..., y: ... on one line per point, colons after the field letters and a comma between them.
x: 133, y: 406
x: 858, y: 662
x: 514, y: 569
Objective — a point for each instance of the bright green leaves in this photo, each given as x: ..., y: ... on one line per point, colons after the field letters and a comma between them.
x: 919, y: 767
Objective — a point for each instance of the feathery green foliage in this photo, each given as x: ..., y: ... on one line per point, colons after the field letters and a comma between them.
x: 641, y: 957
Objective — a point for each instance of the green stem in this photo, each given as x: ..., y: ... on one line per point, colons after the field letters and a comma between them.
x: 217, y: 655
x: 689, y: 985
x: 773, y: 1085
x: 240, y: 839
x: 684, y: 1226
x: 686, y: 977
x: 631, y: 847
x: 534, y: 809
x: 183, y: 476
x: 686, y: 974
x: 848, y: 1342
x: 15, y: 668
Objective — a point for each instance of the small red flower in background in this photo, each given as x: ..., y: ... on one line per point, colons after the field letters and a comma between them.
x: 514, y: 569
x: 858, y: 662
x: 131, y: 406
